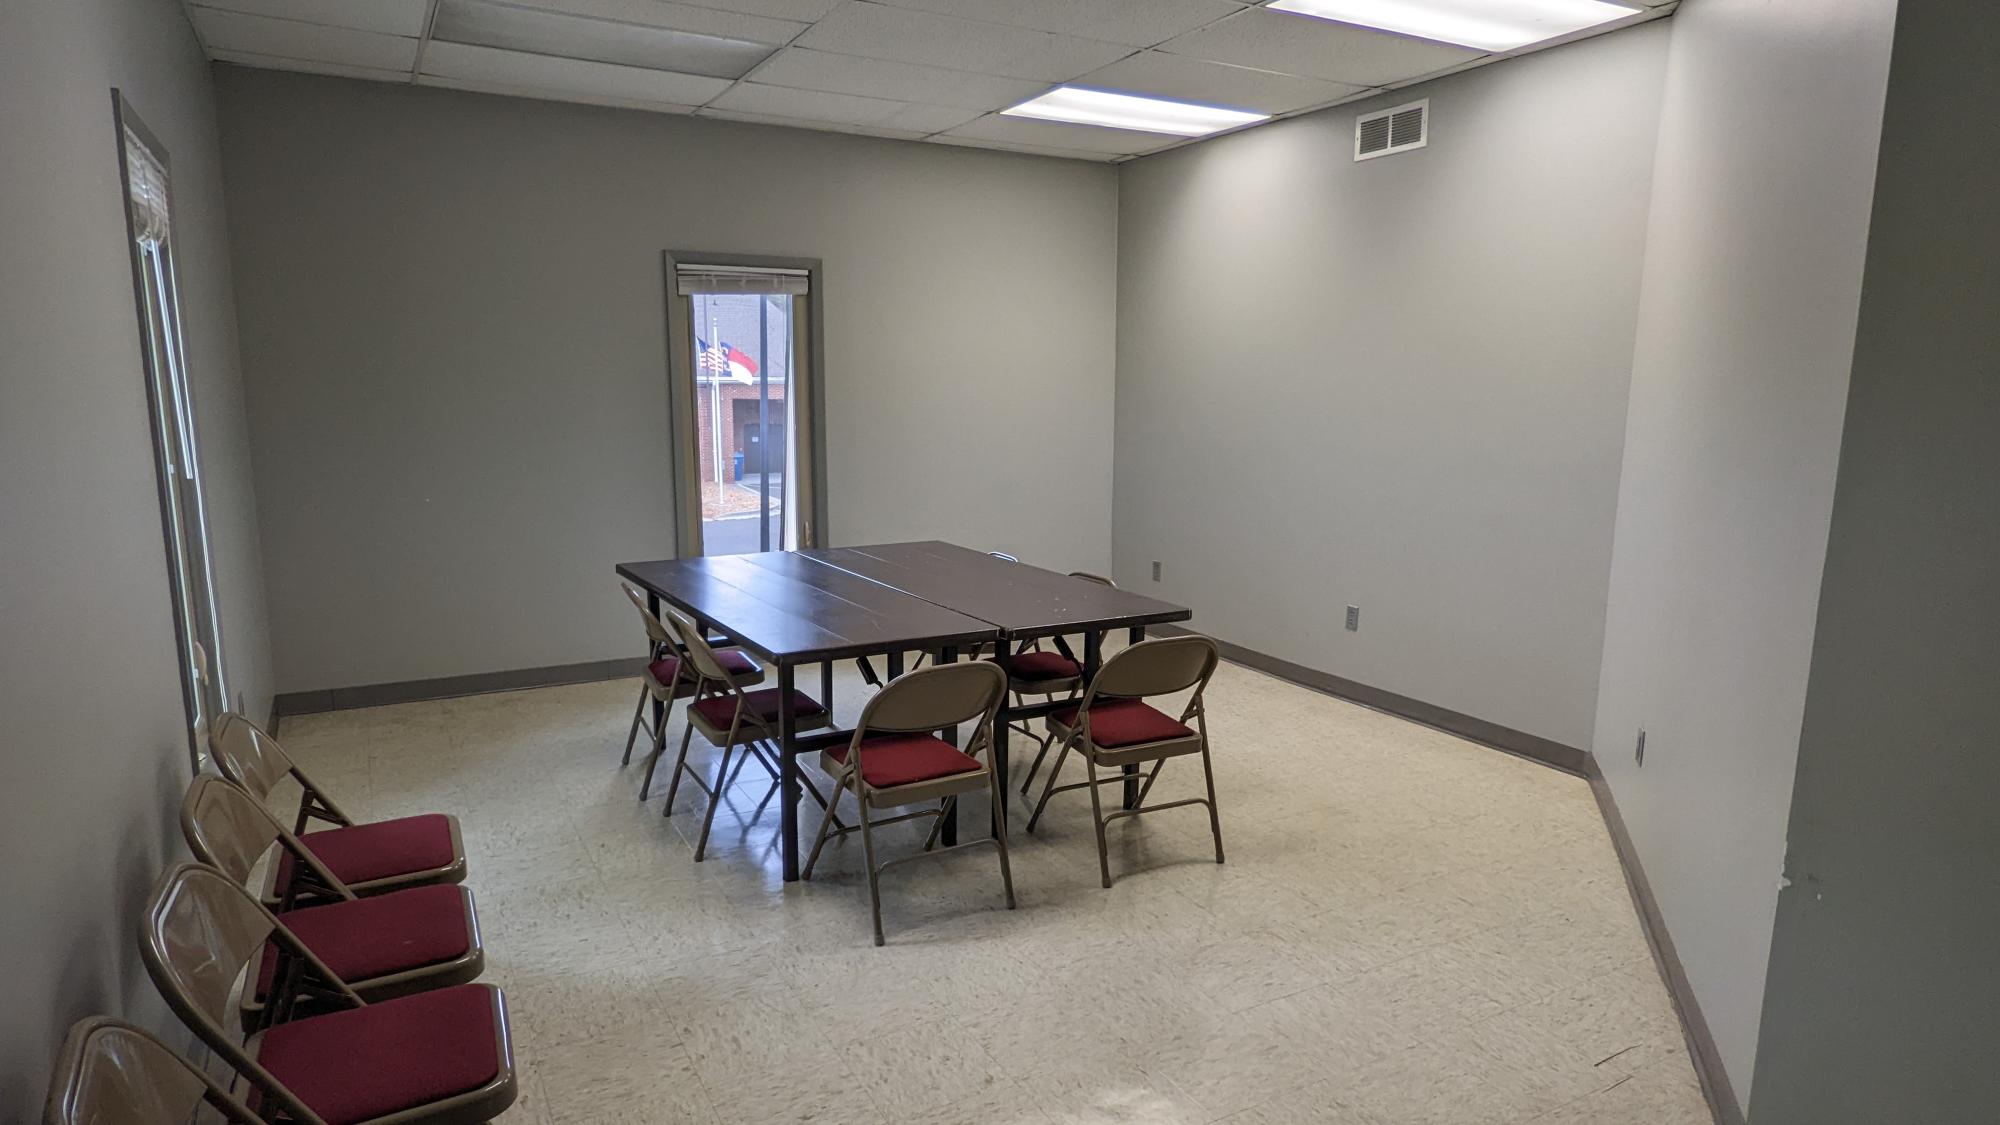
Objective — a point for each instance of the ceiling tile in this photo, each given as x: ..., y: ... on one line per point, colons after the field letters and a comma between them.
x: 1047, y: 134
x: 907, y: 82
x: 810, y: 105
x: 904, y: 35
x: 391, y: 17
x: 1031, y: 150
x: 543, y: 95
x: 930, y: 118
x: 1198, y: 80
x: 516, y: 69
x: 680, y: 17
x: 817, y: 126
x: 264, y: 35
x: 1315, y: 48
x: 309, y: 66
x: 1136, y: 23
x: 805, y: 11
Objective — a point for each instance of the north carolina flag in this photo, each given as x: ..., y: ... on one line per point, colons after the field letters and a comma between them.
x: 724, y: 359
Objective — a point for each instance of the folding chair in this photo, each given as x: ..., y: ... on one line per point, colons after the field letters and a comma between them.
x: 112, y: 1073
x: 371, y: 858
x: 390, y: 945
x: 896, y: 759
x: 1033, y: 672
x: 668, y: 676
x: 729, y: 717
x: 1113, y: 727
x: 441, y: 1058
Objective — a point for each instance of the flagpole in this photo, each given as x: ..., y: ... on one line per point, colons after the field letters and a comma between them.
x: 764, y: 420
x: 715, y: 399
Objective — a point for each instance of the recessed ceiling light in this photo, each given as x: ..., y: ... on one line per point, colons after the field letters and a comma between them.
x: 1488, y: 25
x: 1078, y: 105
x: 482, y: 24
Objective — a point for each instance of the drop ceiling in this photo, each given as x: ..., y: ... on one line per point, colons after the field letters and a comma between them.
x: 920, y: 70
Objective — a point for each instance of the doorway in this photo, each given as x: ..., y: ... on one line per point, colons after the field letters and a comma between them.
x: 745, y: 407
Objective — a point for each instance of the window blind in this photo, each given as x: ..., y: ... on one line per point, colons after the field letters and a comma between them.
x: 146, y: 183
x: 692, y: 279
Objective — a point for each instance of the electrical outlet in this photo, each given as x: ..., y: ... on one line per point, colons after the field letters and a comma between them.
x: 1354, y: 619
x: 1639, y: 751
x: 1156, y: 571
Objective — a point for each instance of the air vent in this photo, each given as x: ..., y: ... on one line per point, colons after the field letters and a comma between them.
x: 1392, y: 130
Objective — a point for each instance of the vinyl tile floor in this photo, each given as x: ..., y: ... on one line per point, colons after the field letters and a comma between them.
x: 1410, y: 930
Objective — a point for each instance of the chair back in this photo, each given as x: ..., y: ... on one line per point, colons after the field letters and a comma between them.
x: 1097, y: 578
x: 112, y: 1073
x: 248, y: 755
x: 690, y: 641
x: 656, y: 631
x: 942, y: 695
x: 230, y: 831
x: 1161, y: 666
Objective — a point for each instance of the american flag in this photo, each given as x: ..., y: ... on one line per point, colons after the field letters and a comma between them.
x: 724, y: 360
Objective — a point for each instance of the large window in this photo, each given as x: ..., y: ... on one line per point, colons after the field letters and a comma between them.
x: 183, y: 511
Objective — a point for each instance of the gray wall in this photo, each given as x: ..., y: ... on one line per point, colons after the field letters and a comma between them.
x: 1881, y: 1003
x: 1398, y: 384
x: 96, y: 744
x: 453, y: 334
x: 1746, y: 327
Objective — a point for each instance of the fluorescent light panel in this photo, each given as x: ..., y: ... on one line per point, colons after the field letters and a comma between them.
x: 1079, y: 105
x: 1487, y: 25
x: 481, y: 24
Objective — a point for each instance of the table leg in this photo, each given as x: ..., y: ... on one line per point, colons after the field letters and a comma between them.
x: 1000, y: 721
x: 788, y: 776
x: 1137, y: 634
x: 659, y: 706
x: 895, y: 664
x: 949, y: 835
x: 826, y: 685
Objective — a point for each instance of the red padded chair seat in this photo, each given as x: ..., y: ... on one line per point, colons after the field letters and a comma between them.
x: 360, y: 1063
x: 375, y: 937
x: 718, y: 710
x: 1125, y: 722
x: 362, y: 853
x: 733, y: 662
x: 1043, y: 666
x: 889, y: 760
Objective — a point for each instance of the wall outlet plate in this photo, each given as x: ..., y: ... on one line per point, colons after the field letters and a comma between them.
x: 1354, y: 619
x: 1639, y: 750
x: 1156, y: 571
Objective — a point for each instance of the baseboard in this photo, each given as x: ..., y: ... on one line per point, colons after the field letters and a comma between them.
x: 1521, y: 744
x: 450, y: 687
x: 1701, y: 1047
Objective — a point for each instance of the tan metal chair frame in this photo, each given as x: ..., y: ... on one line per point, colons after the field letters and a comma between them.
x: 110, y: 1072
x: 892, y: 710
x: 1162, y: 666
x: 197, y: 955
x: 229, y: 830
x: 746, y: 729
x: 248, y: 755
x: 662, y: 643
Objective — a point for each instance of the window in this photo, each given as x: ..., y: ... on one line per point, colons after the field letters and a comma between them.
x: 183, y: 511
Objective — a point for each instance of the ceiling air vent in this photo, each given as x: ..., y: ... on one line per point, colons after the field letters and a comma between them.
x: 1392, y: 130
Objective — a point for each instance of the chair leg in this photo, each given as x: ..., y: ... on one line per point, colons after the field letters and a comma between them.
x: 714, y: 800
x: 825, y: 830
x: 937, y: 822
x: 1152, y: 775
x: 1097, y: 815
x: 1027, y: 782
x: 1214, y: 817
x: 1000, y: 836
x: 1049, y: 787
x: 653, y: 759
x: 680, y: 766
x: 632, y: 736
x: 874, y: 873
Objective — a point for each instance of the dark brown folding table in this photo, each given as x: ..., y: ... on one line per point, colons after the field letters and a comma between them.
x: 791, y: 610
x: 1024, y: 602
